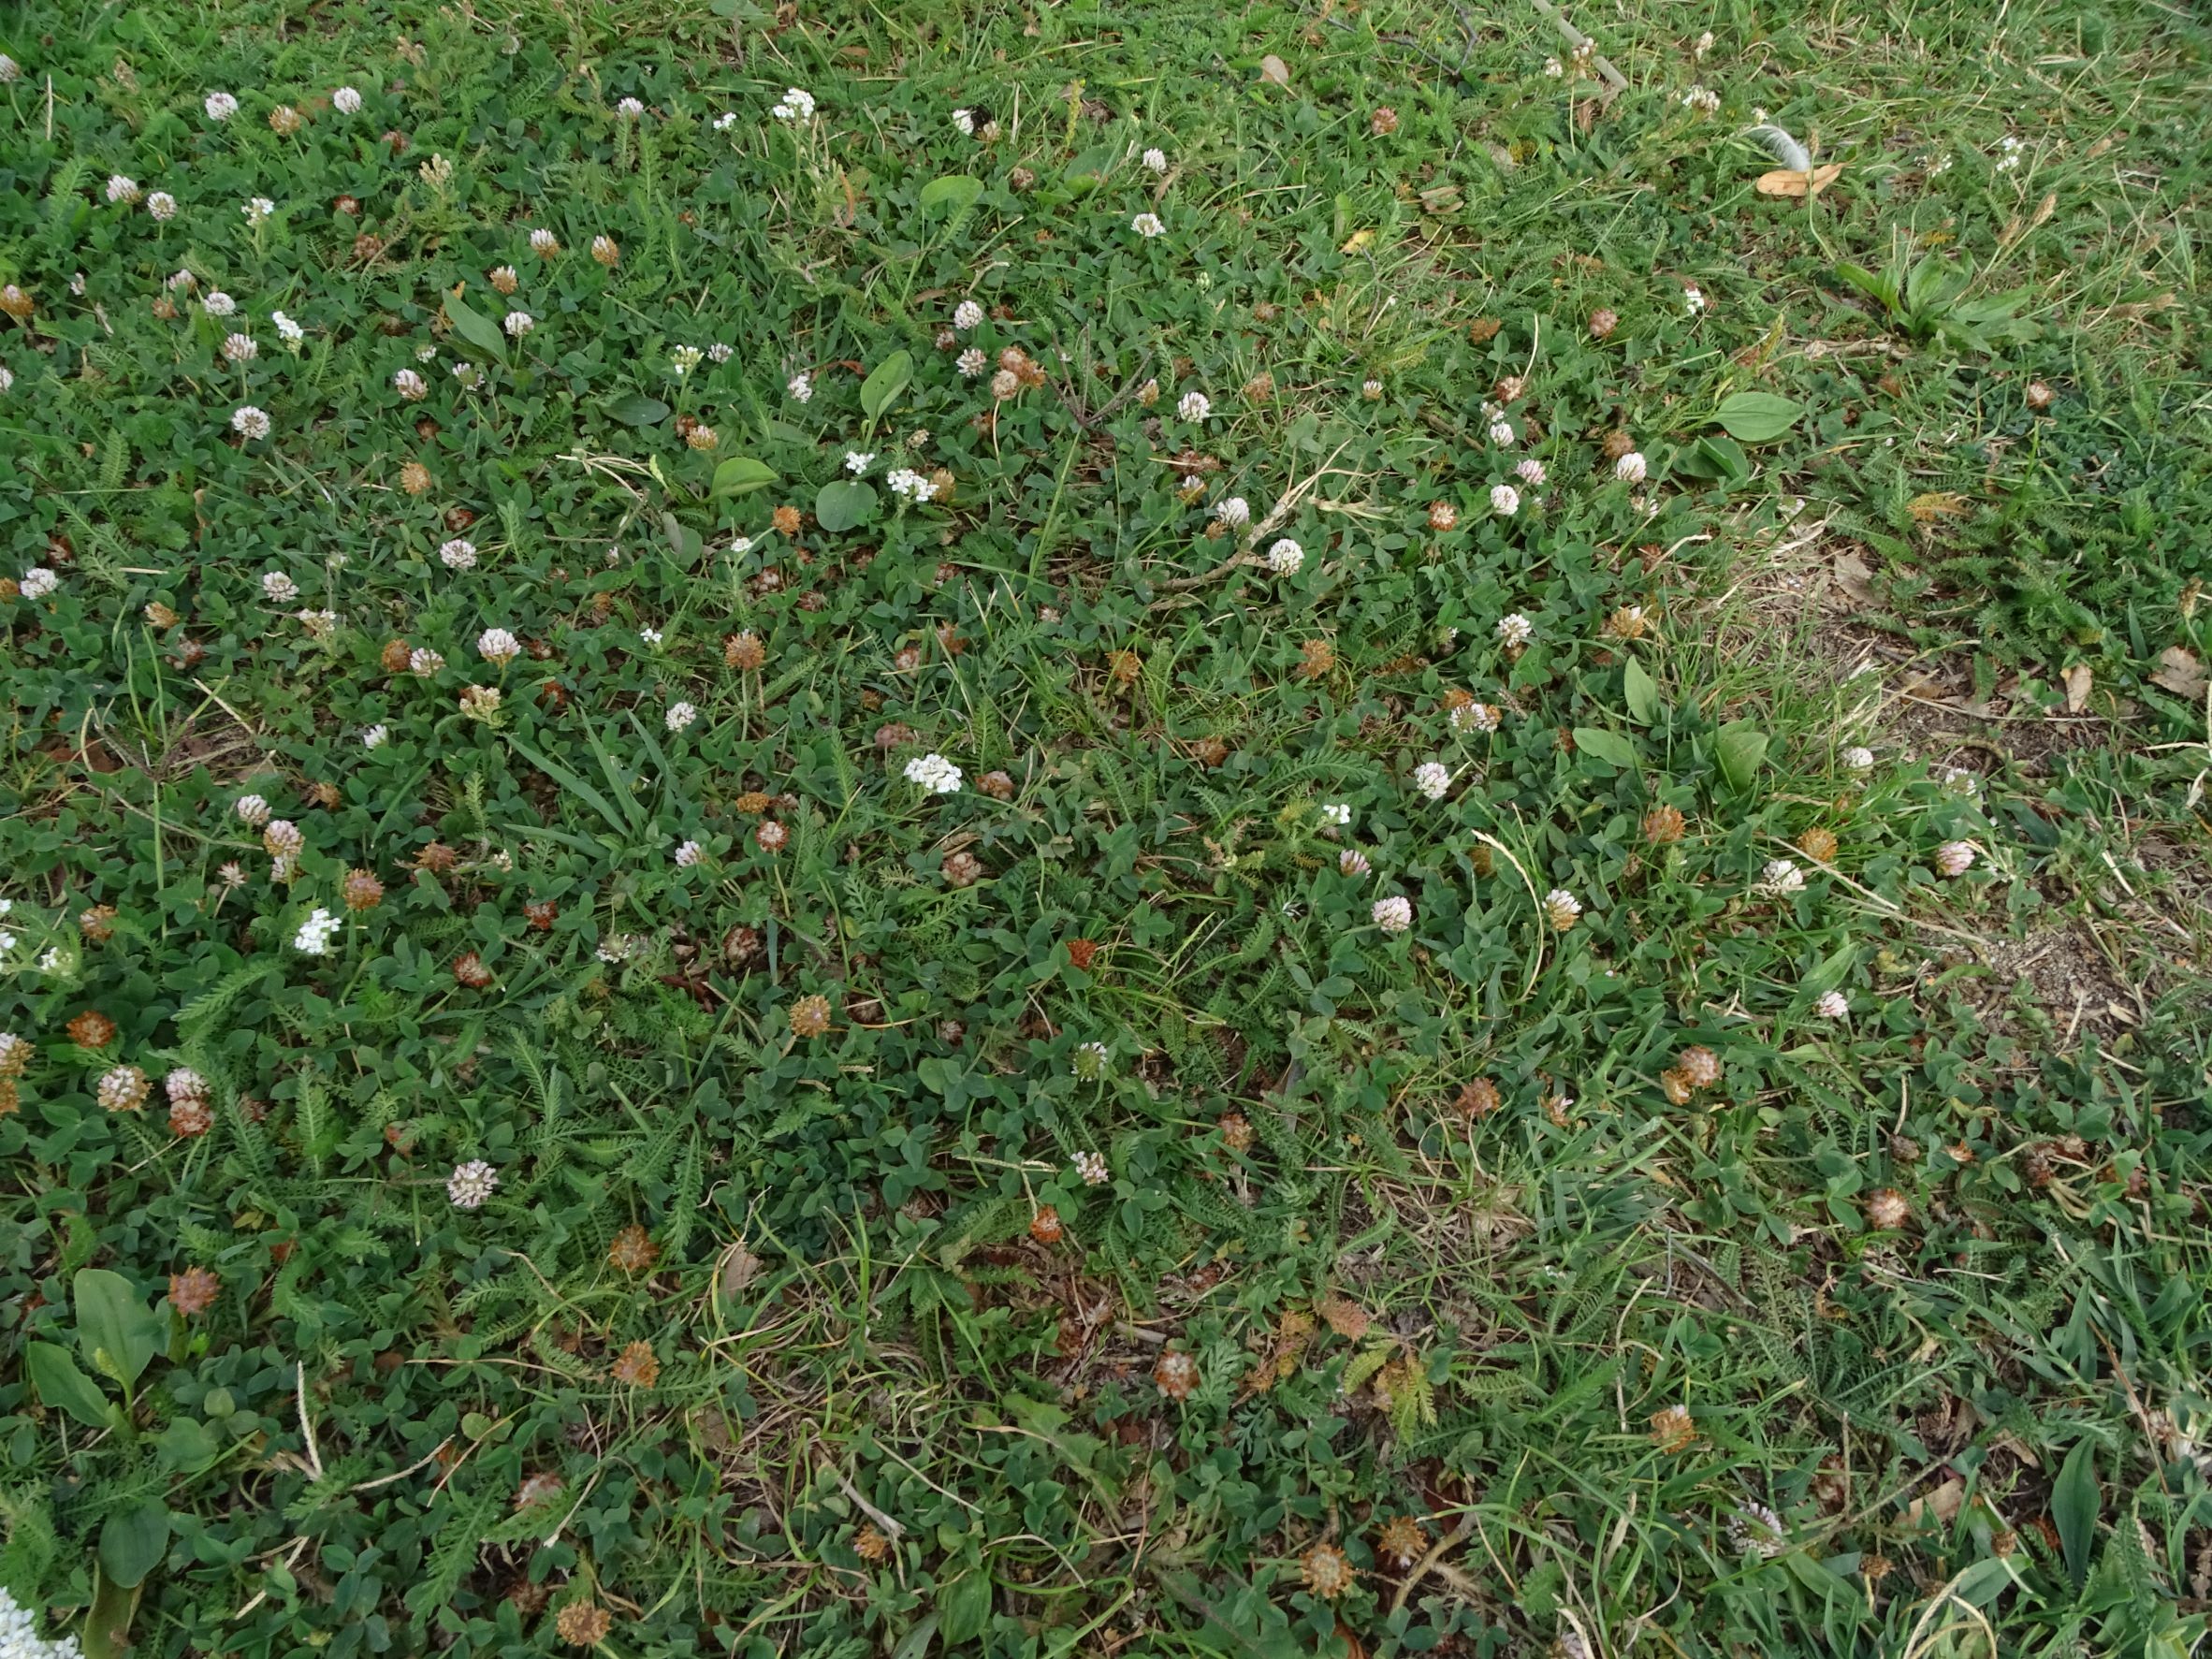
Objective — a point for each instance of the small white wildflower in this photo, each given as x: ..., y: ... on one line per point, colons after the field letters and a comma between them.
x: 1371, y: 389
x: 1155, y: 161
x: 721, y: 350
x: 257, y: 210
x: 290, y: 333
x: 964, y: 122
x: 1194, y: 406
x: 1481, y: 717
x: 1833, y: 1005
x: 1091, y: 1060
x: 315, y: 934
x: 220, y: 106
x: 1005, y: 384
x: 544, y: 243
x: 800, y: 102
x: 1757, y: 1530
x: 1781, y: 875
x: 424, y: 663
x: 1703, y: 45
x: 1858, y: 759
x: 517, y: 324
x: 250, y: 423
x: 1692, y: 299
x: 1352, y: 862
x: 858, y: 460
x: 7, y: 378
x: 376, y: 737
x: 966, y: 315
x: 1433, y: 779
x: 905, y: 481
x: 629, y: 110
x: 741, y: 545
x: 279, y: 587
x: 1530, y: 471
x: 801, y: 387
x: 1338, y: 813
x: 679, y: 715
x: 239, y: 348
x: 162, y: 206
x: 1091, y: 1169
x: 725, y: 120
x: 1501, y: 433
x: 1235, y: 512
x: 253, y: 810
x: 1147, y: 225
x: 1504, y: 501
x: 1955, y: 858
x: 346, y: 100
x: 1630, y: 468
x: 468, y: 374
x: 685, y: 359
x: 471, y: 1184
x: 972, y: 362
x: 1554, y: 68
x: 458, y: 554
x: 10, y: 72
x: 122, y: 191
x: 934, y: 773
x: 1561, y: 909
x: 1393, y: 914
x: 651, y: 637
x: 1284, y: 558
x: 2009, y: 148
x: 410, y: 386
x: 426, y: 354
x: 497, y: 645
x: 689, y: 853
x: 38, y: 582
x: 1702, y: 100
x: 1515, y: 630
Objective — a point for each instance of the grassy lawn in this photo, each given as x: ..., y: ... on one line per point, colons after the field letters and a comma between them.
x: 1097, y: 830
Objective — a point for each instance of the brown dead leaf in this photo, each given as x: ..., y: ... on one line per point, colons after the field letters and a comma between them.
x: 2180, y: 671
x: 1274, y: 71
x: 1789, y: 182
x: 1344, y: 1316
x: 2078, y: 681
x: 740, y: 1267
x: 1854, y: 577
x: 1942, y: 1502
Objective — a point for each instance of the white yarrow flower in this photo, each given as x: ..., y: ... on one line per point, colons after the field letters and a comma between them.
x: 801, y: 387
x: 1338, y: 813
x: 315, y: 934
x: 290, y: 333
x: 679, y: 715
x: 858, y: 460
x: 934, y: 773
x: 257, y: 210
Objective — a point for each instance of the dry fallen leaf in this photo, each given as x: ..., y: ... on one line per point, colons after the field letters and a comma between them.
x: 2180, y: 672
x: 1274, y: 70
x: 1358, y: 240
x: 1789, y: 182
x: 1856, y: 578
x: 739, y: 1268
x: 1942, y: 1502
x: 2078, y: 680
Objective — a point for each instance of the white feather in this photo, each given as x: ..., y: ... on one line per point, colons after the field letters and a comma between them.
x: 1783, y: 148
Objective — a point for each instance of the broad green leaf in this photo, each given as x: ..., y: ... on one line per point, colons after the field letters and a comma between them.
x: 133, y: 1541
x: 55, y: 1375
x: 634, y: 409
x: 885, y: 382
x: 187, y: 1444
x: 2074, y: 1502
x: 1741, y: 750
x: 1606, y: 746
x: 1641, y: 691
x: 842, y: 505
x: 116, y: 1330
x: 476, y: 327
x: 1828, y: 973
x: 958, y: 191
x: 1756, y: 417
x: 741, y: 475
x: 964, y: 1607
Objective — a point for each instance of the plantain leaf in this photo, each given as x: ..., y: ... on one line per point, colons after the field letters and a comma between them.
x: 957, y: 190
x: 1606, y: 746
x: 634, y: 409
x: 741, y: 475
x: 885, y: 382
x: 1741, y: 751
x: 842, y: 505
x: 1641, y: 691
x: 1756, y: 417
x: 474, y: 327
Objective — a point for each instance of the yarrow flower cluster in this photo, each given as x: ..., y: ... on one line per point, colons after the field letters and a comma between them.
x: 859, y: 460
x: 913, y: 485
x: 1337, y: 814
x: 801, y: 387
x: 934, y: 773
x: 259, y: 210
x: 315, y: 934
x: 680, y: 714
x: 797, y: 105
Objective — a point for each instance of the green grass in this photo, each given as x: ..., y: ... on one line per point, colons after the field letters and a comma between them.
x: 765, y: 1342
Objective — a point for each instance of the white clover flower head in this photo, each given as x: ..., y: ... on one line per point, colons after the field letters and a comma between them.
x: 179, y: 282
x: 1482, y: 717
x: 1833, y: 1005
x: 290, y: 333
x: 964, y: 122
x: 220, y: 106
x: 250, y: 423
x: 1501, y: 433
x: 1155, y: 161
x: 7, y: 378
x: 1433, y: 779
x: 423, y: 662
x: 162, y: 205
x: 1352, y: 862
x: 458, y: 554
x: 1703, y: 45
x: 319, y: 624
x: 1090, y: 1167
x: 253, y: 810
x: 907, y: 483
x: 934, y: 773
x: 1284, y: 558
x: 471, y: 1184
x: 1630, y: 468
x: 629, y: 110
x: 218, y: 304
x: 968, y: 315
x: 257, y: 209
x: 1515, y: 630
x: 1955, y: 858
x: 859, y: 460
x: 2008, y: 156
x: 123, y: 191
x: 619, y: 947
x: 1530, y: 471
x: 1371, y: 389
x: 426, y: 354
x: 543, y: 243
x: 1235, y: 512
x: 1702, y: 99
x: 468, y: 374
x: 1781, y: 875
x: 1005, y: 384
x: 517, y: 324
x: 38, y: 582
x: 1561, y: 907
x: 346, y: 100
x: 801, y: 387
x: 497, y: 645
x: 1147, y: 225
x: 689, y: 853
x: 1757, y: 1530
x: 652, y: 637
x: 1090, y: 1061
x: 278, y: 588
x: 315, y: 934
x: 972, y: 361
x: 1504, y: 501
x: 1858, y: 759
x: 1194, y: 406
x: 10, y: 72
x: 1393, y: 914
x: 376, y: 737
x: 684, y: 359
x: 239, y: 348
x: 1337, y: 813
x: 680, y: 714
